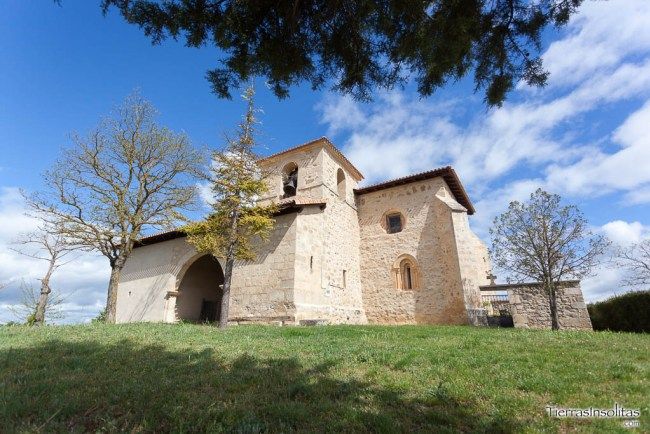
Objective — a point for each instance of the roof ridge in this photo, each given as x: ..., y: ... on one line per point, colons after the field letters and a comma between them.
x: 326, y: 140
x: 401, y: 178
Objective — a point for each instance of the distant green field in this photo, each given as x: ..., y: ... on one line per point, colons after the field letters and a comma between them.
x: 177, y: 378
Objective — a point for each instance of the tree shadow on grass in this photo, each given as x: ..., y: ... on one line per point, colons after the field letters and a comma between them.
x: 66, y: 386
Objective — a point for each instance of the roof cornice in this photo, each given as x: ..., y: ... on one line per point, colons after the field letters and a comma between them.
x: 447, y: 173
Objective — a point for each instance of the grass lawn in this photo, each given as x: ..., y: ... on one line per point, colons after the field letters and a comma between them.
x: 159, y: 377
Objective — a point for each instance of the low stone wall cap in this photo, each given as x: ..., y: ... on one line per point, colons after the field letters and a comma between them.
x: 498, y: 286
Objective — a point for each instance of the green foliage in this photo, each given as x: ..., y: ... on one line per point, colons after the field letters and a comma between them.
x: 191, y: 378
x: 360, y: 44
x: 237, y: 182
x: 628, y: 312
x: 101, y: 317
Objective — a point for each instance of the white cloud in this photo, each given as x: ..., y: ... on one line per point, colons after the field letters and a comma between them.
x: 624, y: 233
x: 397, y: 135
x: 601, y: 172
x: 205, y: 193
x: 539, y: 138
x: 604, y: 283
x: 599, y: 37
x: 607, y: 277
x: 82, y: 282
x: 341, y: 113
x: 638, y: 195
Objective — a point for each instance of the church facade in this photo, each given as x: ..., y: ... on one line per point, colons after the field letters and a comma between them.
x: 398, y: 252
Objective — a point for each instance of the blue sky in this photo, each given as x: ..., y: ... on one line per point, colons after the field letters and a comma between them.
x: 585, y: 136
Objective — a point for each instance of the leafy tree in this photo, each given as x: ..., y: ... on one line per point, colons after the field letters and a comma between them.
x: 635, y: 260
x: 543, y: 241
x: 126, y: 176
x: 236, y: 219
x: 360, y: 44
x: 45, y: 244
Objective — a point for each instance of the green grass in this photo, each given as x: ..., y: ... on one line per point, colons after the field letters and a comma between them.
x: 177, y: 378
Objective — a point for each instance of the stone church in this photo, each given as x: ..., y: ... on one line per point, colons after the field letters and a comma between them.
x: 397, y: 252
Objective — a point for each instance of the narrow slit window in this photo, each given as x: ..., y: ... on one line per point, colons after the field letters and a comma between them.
x: 344, y: 279
x: 407, y: 277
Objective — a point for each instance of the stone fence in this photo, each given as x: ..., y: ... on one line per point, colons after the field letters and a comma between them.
x: 529, y: 305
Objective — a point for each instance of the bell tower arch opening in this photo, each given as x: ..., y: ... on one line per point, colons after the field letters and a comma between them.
x: 200, y: 291
x: 290, y: 179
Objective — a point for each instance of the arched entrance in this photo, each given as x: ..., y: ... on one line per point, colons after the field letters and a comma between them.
x: 200, y: 291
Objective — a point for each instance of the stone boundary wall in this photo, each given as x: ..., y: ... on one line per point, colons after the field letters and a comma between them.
x: 529, y: 305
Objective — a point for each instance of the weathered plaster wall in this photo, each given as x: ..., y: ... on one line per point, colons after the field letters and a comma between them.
x: 262, y: 290
x: 429, y: 235
x: 529, y: 306
x: 148, y: 275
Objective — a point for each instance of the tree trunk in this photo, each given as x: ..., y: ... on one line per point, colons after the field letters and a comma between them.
x: 227, y: 274
x: 225, y: 296
x: 552, y: 301
x: 111, y: 298
x: 39, y: 312
x: 41, y: 305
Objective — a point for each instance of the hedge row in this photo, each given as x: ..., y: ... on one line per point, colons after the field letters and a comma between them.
x: 629, y: 312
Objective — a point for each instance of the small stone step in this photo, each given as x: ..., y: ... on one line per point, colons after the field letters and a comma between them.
x: 313, y: 322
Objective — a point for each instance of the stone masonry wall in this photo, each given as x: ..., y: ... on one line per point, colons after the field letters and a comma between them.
x: 263, y: 289
x: 310, y: 174
x: 335, y: 262
x: 529, y: 306
x: 327, y: 240
x: 339, y: 297
x: 429, y: 236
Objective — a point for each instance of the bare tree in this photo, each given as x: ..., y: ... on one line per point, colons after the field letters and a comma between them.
x: 636, y: 262
x: 543, y: 241
x: 31, y: 300
x: 44, y: 244
x: 126, y: 176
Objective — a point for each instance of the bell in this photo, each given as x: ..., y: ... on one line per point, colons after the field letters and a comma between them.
x: 290, y: 186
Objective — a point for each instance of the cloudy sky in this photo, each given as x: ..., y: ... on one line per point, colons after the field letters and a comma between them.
x: 585, y: 136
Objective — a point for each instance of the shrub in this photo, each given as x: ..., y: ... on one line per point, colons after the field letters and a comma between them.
x: 625, y: 313
x: 101, y: 317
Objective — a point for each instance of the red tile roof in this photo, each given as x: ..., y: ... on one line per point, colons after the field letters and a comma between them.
x: 287, y: 206
x: 447, y: 173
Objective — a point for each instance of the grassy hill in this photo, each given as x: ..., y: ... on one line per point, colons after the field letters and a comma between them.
x: 146, y: 377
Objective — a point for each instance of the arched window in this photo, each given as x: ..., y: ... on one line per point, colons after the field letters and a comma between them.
x: 290, y: 179
x: 406, y: 273
x: 340, y: 183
